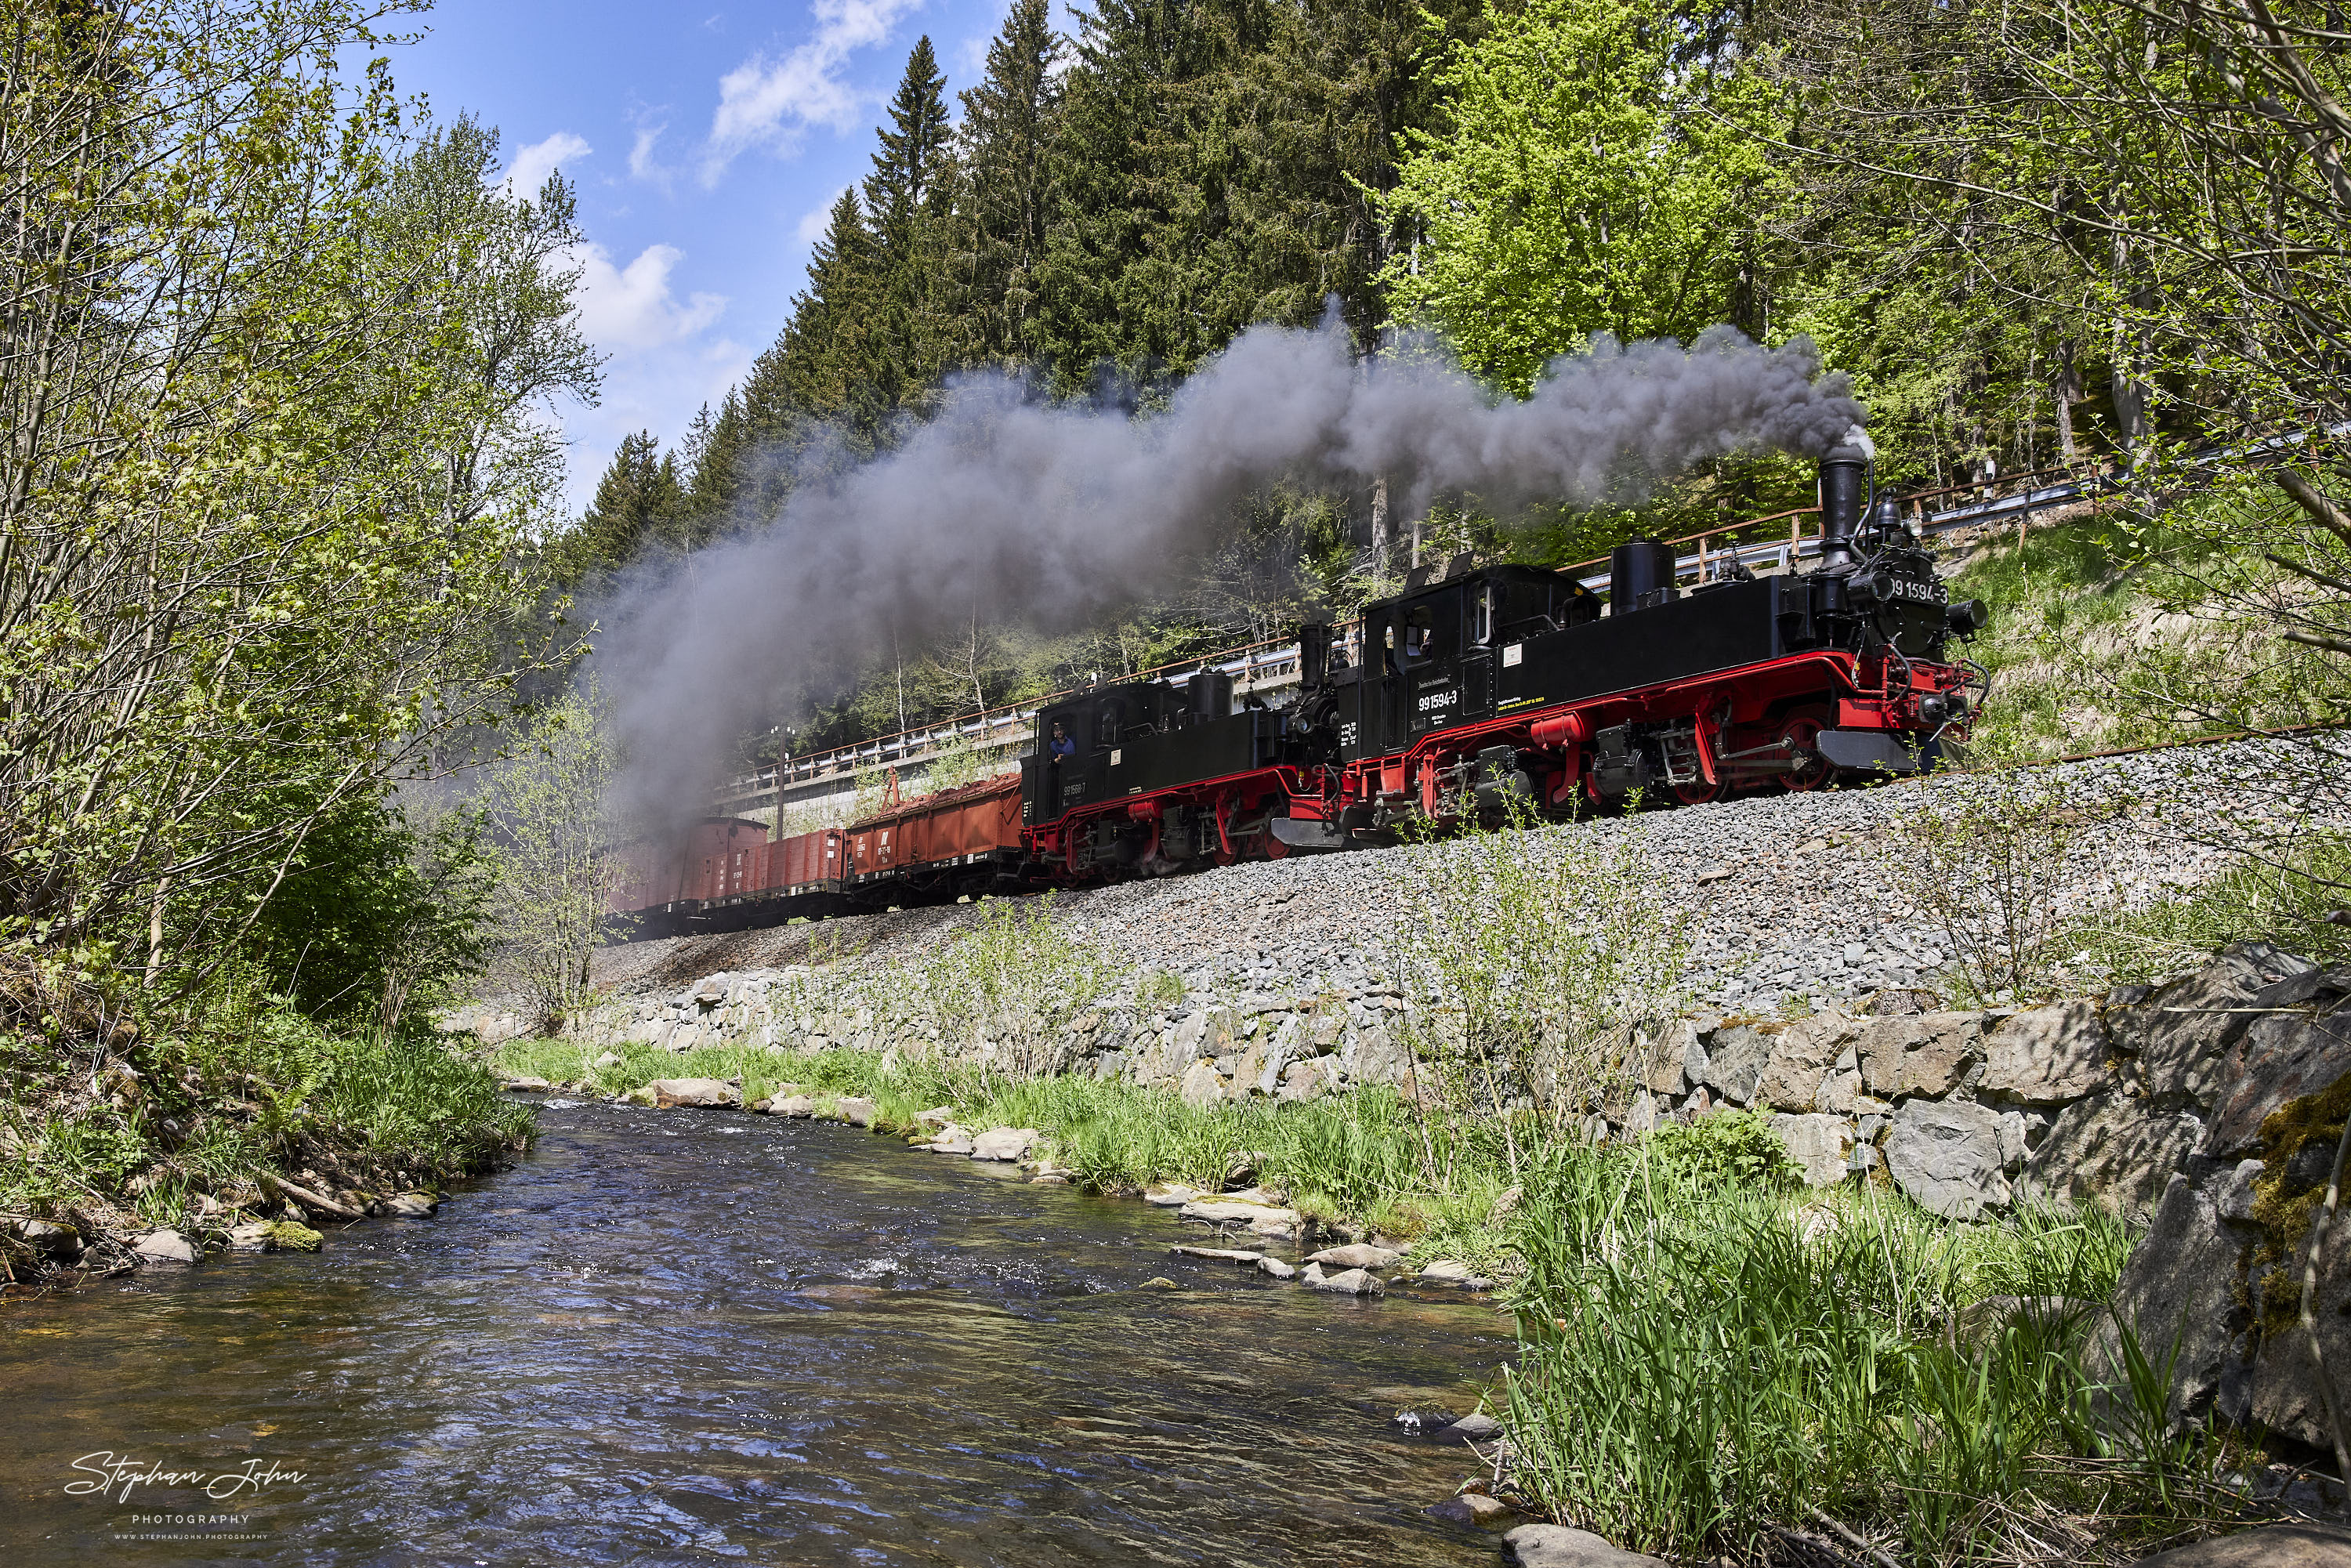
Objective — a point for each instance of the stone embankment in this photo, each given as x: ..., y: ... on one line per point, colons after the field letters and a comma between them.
x: 1808, y: 900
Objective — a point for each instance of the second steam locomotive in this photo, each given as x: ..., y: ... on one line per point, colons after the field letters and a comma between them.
x: 1473, y: 695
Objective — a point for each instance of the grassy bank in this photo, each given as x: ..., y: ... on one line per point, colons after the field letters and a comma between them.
x: 116, y: 1124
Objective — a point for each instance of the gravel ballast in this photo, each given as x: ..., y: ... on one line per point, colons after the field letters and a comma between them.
x: 1803, y: 900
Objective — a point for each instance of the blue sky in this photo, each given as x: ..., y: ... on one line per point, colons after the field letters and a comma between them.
x: 706, y: 144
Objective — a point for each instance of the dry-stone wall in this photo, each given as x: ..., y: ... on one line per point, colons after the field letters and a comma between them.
x: 1966, y: 1111
x: 1232, y: 1047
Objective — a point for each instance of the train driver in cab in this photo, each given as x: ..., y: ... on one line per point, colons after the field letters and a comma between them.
x: 1060, y: 748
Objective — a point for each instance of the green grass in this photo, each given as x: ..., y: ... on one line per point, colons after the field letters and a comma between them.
x: 1704, y: 1362
x: 214, y: 1104
x: 2286, y: 898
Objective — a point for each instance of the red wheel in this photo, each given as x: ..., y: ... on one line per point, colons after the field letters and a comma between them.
x: 1699, y: 792
x: 1807, y: 769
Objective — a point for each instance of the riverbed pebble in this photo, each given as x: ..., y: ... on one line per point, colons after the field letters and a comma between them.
x: 1007, y: 1144
x: 1357, y: 1255
x: 1474, y: 1509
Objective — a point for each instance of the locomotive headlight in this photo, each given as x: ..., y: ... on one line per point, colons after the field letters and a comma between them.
x: 1939, y: 708
x: 1966, y: 618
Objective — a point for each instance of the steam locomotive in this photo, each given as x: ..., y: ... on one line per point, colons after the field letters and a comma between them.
x: 1473, y: 695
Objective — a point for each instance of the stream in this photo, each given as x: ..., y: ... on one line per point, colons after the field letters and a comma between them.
x: 710, y: 1337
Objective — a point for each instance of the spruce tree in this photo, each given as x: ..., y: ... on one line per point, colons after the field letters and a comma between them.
x: 1009, y: 123
x: 637, y: 504
x: 912, y: 158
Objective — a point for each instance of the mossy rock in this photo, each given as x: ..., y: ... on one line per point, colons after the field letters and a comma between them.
x: 2298, y: 1143
x: 290, y: 1237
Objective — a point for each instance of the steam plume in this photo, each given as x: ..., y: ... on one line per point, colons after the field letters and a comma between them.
x: 1007, y: 509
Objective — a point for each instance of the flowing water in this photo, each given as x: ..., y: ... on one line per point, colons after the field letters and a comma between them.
x: 678, y: 1337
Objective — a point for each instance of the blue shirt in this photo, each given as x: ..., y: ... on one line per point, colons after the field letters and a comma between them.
x: 1063, y: 746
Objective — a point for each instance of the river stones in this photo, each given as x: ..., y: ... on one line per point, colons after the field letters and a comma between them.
x: 1557, y: 1546
x: 251, y: 1237
x: 1218, y: 1254
x: 1475, y: 1427
x: 527, y: 1084
x: 292, y: 1236
x: 1357, y: 1255
x: 936, y: 1118
x: 798, y: 1105
x: 857, y: 1111
x: 165, y: 1247
x: 1012, y: 1144
x: 1346, y: 1283
x: 1171, y: 1195
x: 954, y: 1140
x: 48, y: 1239
x: 1274, y: 1267
x: 1475, y: 1510
x: 671, y: 1092
x: 412, y: 1204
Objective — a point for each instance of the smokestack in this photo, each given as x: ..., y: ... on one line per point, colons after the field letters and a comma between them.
x: 1845, y: 492
x: 1314, y: 655
x: 1637, y: 569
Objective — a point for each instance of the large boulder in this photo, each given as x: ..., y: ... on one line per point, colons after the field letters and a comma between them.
x: 167, y: 1247
x: 694, y: 1092
x: 2184, y: 1034
x: 1005, y: 1143
x: 1377, y: 1057
x: 1558, y: 1546
x: 2046, y: 1056
x: 1821, y: 1145
x: 2277, y: 1546
x: 1946, y: 1156
x: 2113, y: 1150
x: 1201, y: 1085
x: 1735, y: 1062
x: 1801, y: 1056
x: 1919, y: 1053
x: 2178, y: 1294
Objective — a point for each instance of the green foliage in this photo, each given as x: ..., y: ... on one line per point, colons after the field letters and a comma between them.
x: 1602, y: 169
x: 1730, y: 1150
x: 1535, y: 950
x: 374, y: 916
x: 1698, y: 1365
x: 1017, y: 974
x: 545, y: 807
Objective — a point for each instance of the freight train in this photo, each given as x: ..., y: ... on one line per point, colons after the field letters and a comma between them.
x: 1476, y: 694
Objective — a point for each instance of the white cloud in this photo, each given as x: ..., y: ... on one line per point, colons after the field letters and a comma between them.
x: 630, y: 308
x: 765, y: 103
x: 642, y: 165
x: 816, y: 220
x: 534, y: 163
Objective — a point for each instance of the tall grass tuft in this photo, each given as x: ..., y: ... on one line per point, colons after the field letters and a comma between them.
x: 1706, y: 1365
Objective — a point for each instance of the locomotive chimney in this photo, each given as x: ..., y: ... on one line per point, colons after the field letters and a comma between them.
x: 1314, y: 655
x: 1844, y: 491
x: 1637, y: 569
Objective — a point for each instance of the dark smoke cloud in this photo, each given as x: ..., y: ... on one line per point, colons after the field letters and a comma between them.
x: 1048, y: 514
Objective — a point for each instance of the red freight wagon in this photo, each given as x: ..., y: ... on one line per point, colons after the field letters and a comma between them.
x: 959, y: 839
